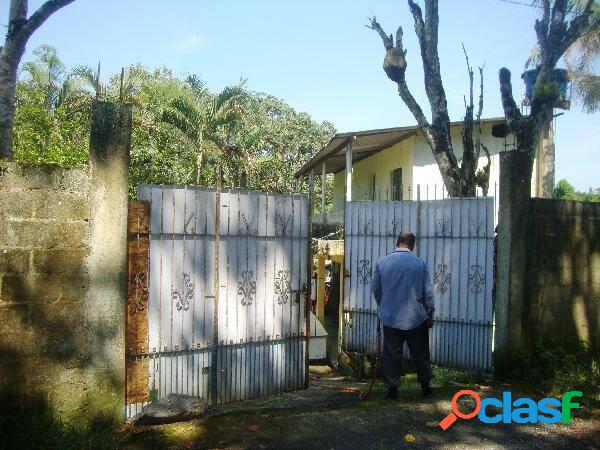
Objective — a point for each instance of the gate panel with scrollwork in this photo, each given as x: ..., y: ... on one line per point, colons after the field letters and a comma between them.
x: 456, y: 239
x: 245, y: 338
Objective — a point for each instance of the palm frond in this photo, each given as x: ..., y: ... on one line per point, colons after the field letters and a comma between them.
x: 184, y: 116
x: 227, y: 97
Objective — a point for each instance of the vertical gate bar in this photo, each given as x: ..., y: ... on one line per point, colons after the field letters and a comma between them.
x: 197, y: 295
x: 147, y: 266
x: 184, y: 359
x: 160, y: 283
x: 468, y: 311
x: 264, y: 385
x: 171, y: 377
x: 215, y: 358
x: 255, y: 372
x: 461, y: 330
x: 238, y: 312
x: 311, y: 189
x: 231, y: 298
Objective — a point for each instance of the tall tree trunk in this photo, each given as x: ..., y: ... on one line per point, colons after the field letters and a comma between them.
x: 20, y: 29
x: 198, y: 166
x: 10, y: 56
x: 199, y: 156
x: 459, y: 179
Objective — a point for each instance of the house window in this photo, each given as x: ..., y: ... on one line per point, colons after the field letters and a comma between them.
x: 372, y: 185
x: 397, y: 184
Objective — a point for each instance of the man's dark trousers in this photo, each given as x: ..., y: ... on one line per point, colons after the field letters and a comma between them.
x: 417, y: 340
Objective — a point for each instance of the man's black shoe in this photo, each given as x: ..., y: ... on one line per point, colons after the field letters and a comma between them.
x: 426, y: 390
x: 392, y: 393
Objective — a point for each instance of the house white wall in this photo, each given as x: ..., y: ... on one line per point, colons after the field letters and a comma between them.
x: 418, y: 168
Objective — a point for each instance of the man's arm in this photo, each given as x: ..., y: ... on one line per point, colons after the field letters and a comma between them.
x: 376, y: 284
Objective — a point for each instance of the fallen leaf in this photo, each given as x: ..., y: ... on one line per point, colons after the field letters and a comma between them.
x: 432, y: 424
x: 254, y: 428
x: 409, y: 438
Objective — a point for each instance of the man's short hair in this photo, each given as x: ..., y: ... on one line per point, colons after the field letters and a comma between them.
x: 406, y: 238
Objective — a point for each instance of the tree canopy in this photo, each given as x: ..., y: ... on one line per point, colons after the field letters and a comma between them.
x: 258, y: 140
x: 566, y: 191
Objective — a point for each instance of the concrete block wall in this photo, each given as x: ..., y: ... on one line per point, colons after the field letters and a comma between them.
x: 563, y: 271
x: 63, y: 278
x: 44, y: 241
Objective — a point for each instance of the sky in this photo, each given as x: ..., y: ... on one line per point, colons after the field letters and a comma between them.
x: 317, y: 55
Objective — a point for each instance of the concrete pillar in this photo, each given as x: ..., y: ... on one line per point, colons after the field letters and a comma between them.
x: 546, y: 156
x: 104, y: 305
x: 511, y: 256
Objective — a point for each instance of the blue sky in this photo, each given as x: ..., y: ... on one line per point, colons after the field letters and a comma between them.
x: 316, y: 55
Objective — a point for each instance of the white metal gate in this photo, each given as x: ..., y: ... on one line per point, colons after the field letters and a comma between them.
x: 245, y: 339
x: 456, y: 239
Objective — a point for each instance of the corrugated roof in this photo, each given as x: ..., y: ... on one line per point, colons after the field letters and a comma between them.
x: 364, y: 144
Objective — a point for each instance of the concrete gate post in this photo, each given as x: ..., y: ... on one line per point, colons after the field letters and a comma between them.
x: 104, y: 311
x: 513, y: 226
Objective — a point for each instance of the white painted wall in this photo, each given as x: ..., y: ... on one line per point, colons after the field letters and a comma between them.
x: 419, y: 168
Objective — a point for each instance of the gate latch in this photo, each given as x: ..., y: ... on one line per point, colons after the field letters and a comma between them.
x: 298, y: 292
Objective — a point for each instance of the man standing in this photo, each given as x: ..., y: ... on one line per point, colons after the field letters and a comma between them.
x: 402, y: 288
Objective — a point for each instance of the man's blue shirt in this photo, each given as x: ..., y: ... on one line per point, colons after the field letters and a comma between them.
x: 402, y: 288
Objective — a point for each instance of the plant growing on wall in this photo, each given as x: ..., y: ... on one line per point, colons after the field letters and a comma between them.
x: 562, y: 24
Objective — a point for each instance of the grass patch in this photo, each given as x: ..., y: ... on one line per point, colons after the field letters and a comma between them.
x: 39, y: 428
x: 554, y: 368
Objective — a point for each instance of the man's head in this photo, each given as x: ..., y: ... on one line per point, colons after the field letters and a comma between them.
x: 406, y: 239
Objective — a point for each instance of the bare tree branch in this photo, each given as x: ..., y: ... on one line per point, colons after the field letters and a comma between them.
x: 469, y: 159
x: 43, y: 12
x: 388, y: 42
x: 511, y: 110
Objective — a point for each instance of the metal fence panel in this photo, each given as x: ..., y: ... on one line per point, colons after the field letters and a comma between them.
x: 262, y: 273
x: 455, y: 238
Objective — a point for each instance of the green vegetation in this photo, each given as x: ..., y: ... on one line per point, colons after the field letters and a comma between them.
x: 181, y: 130
x: 555, y: 368
x: 565, y: 191
x: 40, y: 428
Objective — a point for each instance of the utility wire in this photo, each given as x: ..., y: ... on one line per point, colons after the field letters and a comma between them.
x: 531, y: 5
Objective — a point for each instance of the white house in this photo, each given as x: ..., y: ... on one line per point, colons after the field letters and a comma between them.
x: 395, y: 164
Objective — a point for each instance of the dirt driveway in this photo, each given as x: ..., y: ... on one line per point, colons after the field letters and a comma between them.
x: 329, y: 416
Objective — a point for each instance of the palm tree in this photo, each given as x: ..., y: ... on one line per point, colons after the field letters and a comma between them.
x: 199, y: 117
x: 581, y: 59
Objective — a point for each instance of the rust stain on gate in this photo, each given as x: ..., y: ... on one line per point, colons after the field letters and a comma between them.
x: 136, y: 317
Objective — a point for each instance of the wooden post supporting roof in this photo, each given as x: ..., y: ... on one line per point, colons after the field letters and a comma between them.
x: 323, y: 178
x: 349, y: 171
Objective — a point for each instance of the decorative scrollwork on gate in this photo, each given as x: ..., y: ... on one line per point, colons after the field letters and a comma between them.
x: 364, y: 271
x: 283, y: 286
x: 247, y: 228
x: 284, y: 226
x: 443, y: 228
x: 183, y: 299
x: 396, y: 227
x: 364, y: 229
x: 190, y: 220
x: 140, y: 289
x: 441, y: 278
x: 477, y: 228
x: 476, y: 279
x: 247, y: 287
